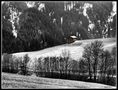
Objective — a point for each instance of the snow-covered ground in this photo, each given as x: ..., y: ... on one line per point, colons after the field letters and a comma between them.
x: 76, y: 49
x: 14, y: 81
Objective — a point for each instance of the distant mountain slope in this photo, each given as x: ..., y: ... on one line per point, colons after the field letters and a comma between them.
x: 14, y: 81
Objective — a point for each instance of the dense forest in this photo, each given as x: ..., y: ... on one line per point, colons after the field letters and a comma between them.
x: 30, y: 26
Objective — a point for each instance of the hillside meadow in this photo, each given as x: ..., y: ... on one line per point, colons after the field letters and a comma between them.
x: 13, y: 81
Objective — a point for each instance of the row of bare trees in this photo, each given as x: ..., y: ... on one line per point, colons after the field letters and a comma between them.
x: 95, y: 60
x: 14, y: 64
x: 99, y: 61
x: 96, y: 63
x: 62, y: 64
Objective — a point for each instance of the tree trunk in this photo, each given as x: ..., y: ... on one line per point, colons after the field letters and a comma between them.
x: 89, y: 69
x: 95, y: 69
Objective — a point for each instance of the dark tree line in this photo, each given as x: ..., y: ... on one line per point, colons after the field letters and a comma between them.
x: 38, y: 29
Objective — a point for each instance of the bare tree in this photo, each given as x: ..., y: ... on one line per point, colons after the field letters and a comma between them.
x: 57, y: 64
x: 46, y: 64
x: 113, y: 66
x: 82, y: 66
x: 87, y: 55
x: 97, y: 48
x: 107, y: 61
x: 61, y: 65
x: 11, y: 64
x: 91, y: 54
x: 24, y: 67
x: 16, y: 64
x: 6, y: 66
x: 66, y: 57
x: 38, y: 66
x: 52, y: 64
x: 75, y: 66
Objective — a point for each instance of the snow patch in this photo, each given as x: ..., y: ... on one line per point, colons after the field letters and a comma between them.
x: 75, y: 49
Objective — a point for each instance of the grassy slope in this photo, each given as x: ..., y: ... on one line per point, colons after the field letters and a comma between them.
x: 76, y: 49
x: 32, y: 82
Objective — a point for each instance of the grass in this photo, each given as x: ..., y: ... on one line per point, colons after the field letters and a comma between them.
x: 31, y: 82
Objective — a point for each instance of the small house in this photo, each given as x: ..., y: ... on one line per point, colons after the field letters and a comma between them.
x: 71, y: 39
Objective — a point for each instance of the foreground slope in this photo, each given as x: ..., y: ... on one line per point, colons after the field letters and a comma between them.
x: 76, y: 49
x: 33, y: 82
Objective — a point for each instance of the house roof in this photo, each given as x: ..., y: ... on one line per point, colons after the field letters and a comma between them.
x: 73, y: 36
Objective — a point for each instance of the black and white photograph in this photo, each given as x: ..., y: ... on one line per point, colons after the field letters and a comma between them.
x: 59, y: 44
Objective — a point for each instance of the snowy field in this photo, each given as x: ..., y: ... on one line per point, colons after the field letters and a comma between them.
x: 76, y: 49
x: 14, y: 81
